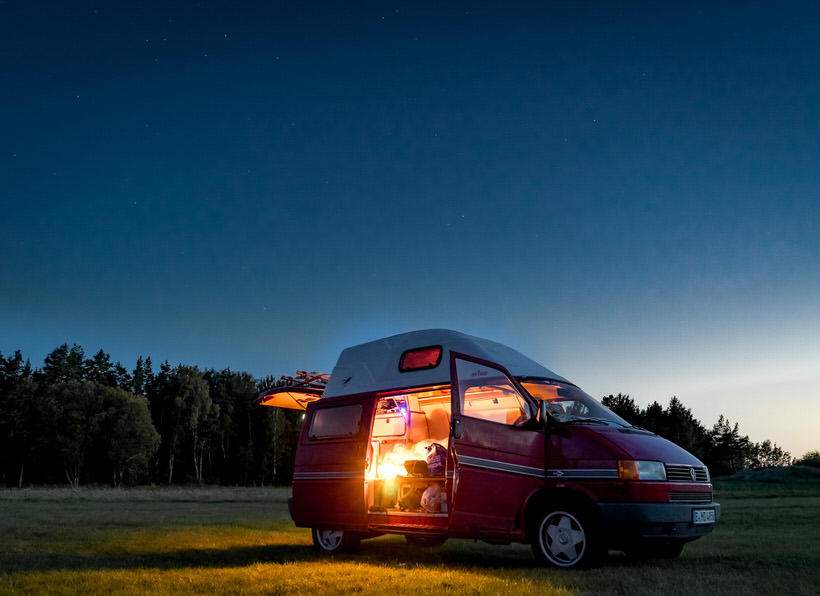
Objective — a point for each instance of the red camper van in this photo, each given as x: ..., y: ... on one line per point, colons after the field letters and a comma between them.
x: 435, y: 434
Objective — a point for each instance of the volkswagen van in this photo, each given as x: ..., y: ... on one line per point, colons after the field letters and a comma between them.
x: 520, y: 454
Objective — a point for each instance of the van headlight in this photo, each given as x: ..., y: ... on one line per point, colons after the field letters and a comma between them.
x: 631, y: 469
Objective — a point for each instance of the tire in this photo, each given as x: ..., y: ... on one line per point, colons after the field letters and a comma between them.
x: 335, y: 541
x: 567, y: 537
x: 425, y: 541
x: 648, y: 550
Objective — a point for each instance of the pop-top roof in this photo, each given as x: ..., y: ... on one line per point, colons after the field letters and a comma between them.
x: 374, y: 366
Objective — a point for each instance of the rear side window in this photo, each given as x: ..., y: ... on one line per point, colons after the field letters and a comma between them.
x: 336, y: 422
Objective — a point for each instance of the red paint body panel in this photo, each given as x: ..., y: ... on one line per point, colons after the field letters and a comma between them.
x: 486, y: 496
x: 328, y: 477
x: 647, y: 446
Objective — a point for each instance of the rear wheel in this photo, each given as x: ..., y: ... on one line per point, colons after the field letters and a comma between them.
x: 335, y: 541
x: 566, y: 537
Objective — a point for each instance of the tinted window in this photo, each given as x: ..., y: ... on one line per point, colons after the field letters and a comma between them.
x: 339, y: 421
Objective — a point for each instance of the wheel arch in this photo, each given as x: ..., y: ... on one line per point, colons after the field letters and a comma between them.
x: 551, y: 498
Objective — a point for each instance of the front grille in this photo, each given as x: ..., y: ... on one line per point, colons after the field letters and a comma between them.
x: 681, y: 473
x: 690, y: 497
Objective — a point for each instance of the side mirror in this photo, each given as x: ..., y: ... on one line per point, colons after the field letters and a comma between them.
x: 542, y: 412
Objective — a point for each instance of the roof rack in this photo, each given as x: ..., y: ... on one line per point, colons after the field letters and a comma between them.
x: 313, y: 380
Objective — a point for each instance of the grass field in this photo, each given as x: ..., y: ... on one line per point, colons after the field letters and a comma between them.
x: 241, y: 541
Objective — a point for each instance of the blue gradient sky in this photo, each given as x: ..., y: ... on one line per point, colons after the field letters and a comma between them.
x: 629, y: 194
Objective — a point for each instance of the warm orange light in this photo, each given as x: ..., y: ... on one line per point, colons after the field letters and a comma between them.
x: 389, y: 469
x: 391, y: 463
x: 628, y: 470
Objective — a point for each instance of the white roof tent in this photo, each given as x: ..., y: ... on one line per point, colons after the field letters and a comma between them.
x: 406, y: 360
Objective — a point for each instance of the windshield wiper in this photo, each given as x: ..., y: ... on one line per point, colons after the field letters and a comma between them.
x: 584, y: 420
x: 593, y: 420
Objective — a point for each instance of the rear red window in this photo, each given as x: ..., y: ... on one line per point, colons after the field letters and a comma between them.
x: 420, y: 358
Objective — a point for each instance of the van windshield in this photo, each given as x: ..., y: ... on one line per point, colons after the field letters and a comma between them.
x: 569, y: 404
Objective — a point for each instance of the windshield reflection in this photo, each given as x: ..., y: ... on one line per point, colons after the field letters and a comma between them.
x: 569, y: 404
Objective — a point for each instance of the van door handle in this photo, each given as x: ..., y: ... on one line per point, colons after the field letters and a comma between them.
x: 455, y: 426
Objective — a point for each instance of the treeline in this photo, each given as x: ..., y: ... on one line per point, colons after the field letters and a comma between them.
x: 722, y: 448
x: 89, y: 420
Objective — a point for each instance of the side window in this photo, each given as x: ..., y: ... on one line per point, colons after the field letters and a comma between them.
x: 485, y: 392
x: 336, y: 422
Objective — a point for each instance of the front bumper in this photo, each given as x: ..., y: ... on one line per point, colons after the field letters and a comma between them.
x: 661, y: 521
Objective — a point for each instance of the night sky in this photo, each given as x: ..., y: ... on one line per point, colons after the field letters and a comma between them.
x: 628, y: 193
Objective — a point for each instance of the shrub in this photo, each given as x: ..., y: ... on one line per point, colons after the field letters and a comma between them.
x: 812, y: 458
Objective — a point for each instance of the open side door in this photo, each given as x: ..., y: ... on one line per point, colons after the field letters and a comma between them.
x: 498, y: 460
x: 329, y: 470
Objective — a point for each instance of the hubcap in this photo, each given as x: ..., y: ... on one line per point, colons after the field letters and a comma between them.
x: 563, y: 539
x: 329, y: 539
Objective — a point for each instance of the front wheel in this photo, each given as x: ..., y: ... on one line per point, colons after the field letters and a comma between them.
x: 335, y: 541
x: 566, y: 538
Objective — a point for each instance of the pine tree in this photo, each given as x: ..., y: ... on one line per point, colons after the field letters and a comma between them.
x: 625, y: 407
x: 63, y: 365
x: 729, y: 452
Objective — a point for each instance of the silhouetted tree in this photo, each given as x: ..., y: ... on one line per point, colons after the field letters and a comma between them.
x: 181, y: 405
x: 142, y: 377
x: 14, y: 424
x: 127, y: 435
x: 625, y: 407
x: 810, y: 458
x: 232, y: 392
x: 77, y: 406
x: 680, y: 427
x: 768, y: 455
x: 12, y: 370
x: 24, y: 426
x: 63, y: 365
x: 653, y: 418
x: 100, y: 370
x: 729, y: 451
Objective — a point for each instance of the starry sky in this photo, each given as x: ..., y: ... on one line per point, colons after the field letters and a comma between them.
x: 627, y: 192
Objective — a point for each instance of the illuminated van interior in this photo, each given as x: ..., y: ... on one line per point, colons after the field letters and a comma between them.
x: 405, y: 428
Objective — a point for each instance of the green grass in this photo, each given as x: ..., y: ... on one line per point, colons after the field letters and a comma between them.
x: 241, y: 541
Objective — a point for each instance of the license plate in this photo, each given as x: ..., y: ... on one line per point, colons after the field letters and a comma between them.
x: 703, y: 516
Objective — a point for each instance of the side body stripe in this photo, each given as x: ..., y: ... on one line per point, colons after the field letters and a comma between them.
x: 573, y: 474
